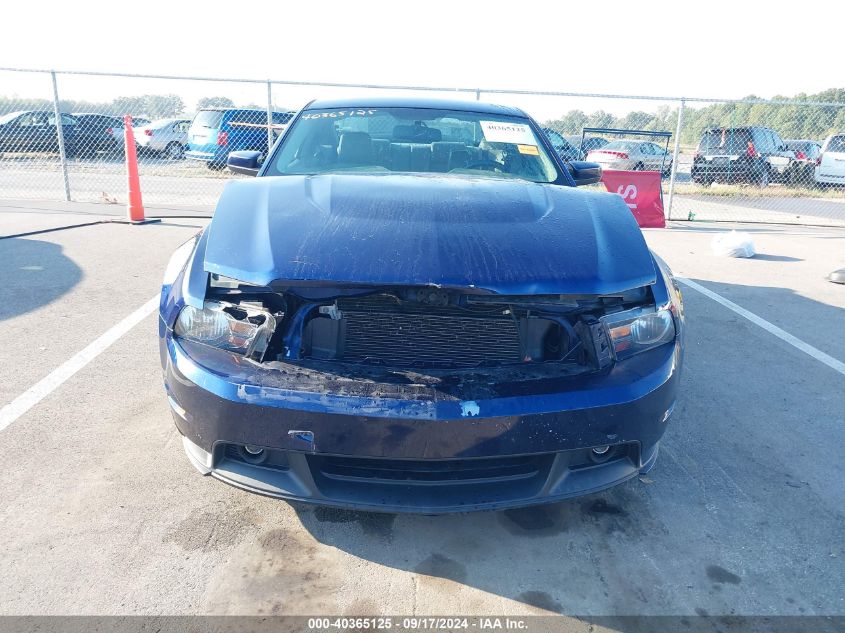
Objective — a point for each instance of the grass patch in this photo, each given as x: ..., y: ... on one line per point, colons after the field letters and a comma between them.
x: 750, y: 191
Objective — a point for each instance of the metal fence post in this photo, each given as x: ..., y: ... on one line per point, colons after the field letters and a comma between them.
x: 269, y: 116
x: 60, y: 135
x: 675, y: 155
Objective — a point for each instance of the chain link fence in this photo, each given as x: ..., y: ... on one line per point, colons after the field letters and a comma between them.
x: 62, y: 138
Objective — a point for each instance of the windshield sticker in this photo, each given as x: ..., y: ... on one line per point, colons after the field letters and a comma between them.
x: 531, y: 150
x: 498, y: 132
x: 338, y: 115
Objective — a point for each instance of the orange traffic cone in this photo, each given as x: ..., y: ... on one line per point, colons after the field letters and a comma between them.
x: 135, y: 207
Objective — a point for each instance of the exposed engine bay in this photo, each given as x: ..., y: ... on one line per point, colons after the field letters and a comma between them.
x: 428, y: 329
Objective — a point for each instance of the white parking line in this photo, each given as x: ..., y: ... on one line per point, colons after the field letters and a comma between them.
x: 783, y: 335
x: 44, y: 387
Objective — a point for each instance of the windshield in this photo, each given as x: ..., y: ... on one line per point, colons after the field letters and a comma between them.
x: 558, y: 142
x: 629, y: 146
x: 836, y: 144
x: 208, y: 118
x: 798, y: 146
x: 417, y: 140
x: 10, y: 116
x: 725, y: 141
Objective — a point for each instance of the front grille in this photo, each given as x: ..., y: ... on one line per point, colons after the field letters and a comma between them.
x: 431, y: 472
x: 382, y: 332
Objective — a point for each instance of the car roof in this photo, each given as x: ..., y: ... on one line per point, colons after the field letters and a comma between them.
x: 232, y: 110
x: 107, y: 116
x: 18, y: 112
x: 737, y: 127
x: 414, y: 102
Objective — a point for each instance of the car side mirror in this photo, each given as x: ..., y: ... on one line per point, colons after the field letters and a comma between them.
x: 584, y: 173
x: 244, y: 162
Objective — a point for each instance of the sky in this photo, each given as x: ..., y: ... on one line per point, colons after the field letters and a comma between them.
x: 652, y: 47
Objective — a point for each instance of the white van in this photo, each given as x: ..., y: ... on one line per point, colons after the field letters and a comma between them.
x: 830, y: 167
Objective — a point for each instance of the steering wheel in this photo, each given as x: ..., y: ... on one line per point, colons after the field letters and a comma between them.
x: 487, y: 162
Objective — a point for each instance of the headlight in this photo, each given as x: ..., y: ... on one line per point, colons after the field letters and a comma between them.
x: 240, y: 329
x: 635, y: 331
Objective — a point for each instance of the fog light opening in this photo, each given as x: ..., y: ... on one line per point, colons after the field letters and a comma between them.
x: 601, y: 454
x: 253, y: 454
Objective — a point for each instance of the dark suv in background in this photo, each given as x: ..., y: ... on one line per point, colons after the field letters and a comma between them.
x: 95, y: 133
x: 755, y: 155
x: 35, y: 131
x: 566, y: 150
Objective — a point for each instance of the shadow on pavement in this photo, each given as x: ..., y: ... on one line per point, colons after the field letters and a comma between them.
x: 35, y: 273
x: 746, y: 484
x: 776, y: 258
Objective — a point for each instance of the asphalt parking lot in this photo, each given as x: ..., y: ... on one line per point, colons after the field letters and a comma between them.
x: 103, y: 514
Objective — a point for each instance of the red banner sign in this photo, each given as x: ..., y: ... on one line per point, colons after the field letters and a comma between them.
x: 641, y: 191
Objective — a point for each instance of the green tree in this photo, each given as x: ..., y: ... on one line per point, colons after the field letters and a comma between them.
x: 156, y: 106
x: 128, y: 105
x: 635, y: 121
x: 600, y: 118
x: 162, y: 106
x: 215, y: 102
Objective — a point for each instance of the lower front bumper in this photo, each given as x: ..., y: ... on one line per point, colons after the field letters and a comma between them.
x: 731, y: 173
x: 423, y: 486
x: 828, y: 179
x: 207, y: 157
x: 620, y: 165
x: 425, y: 451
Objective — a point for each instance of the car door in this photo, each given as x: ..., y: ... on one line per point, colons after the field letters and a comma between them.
x: 13, y: 132
x: 645, y: 156
x: 655, y: 157
x: 181, y: 131
x: 70, y: 133
x: 662, y: 156
x: 781, y: 158
x: 32, y: 133
x: 86, y: 133
x: 172, y: 130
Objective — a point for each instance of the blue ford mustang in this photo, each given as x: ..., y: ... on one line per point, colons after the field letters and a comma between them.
x: 413, y: 308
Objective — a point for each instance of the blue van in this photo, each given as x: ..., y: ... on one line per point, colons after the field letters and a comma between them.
x: 215, y: 132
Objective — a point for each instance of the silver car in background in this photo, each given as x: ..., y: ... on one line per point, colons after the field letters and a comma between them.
x: 830, y: 166
x: 632, y: 156
x: 168, y: 137
x: 117, y: 129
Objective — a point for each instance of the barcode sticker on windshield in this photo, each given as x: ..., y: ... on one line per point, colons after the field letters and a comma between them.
x: 498, y: 132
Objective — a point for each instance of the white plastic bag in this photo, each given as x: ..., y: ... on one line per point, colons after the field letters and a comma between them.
x: 733, y: 244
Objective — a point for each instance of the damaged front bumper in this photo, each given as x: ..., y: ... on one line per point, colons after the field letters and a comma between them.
x: 398, y: 442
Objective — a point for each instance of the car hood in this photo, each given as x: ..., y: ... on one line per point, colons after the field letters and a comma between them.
x: 494, y: 235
